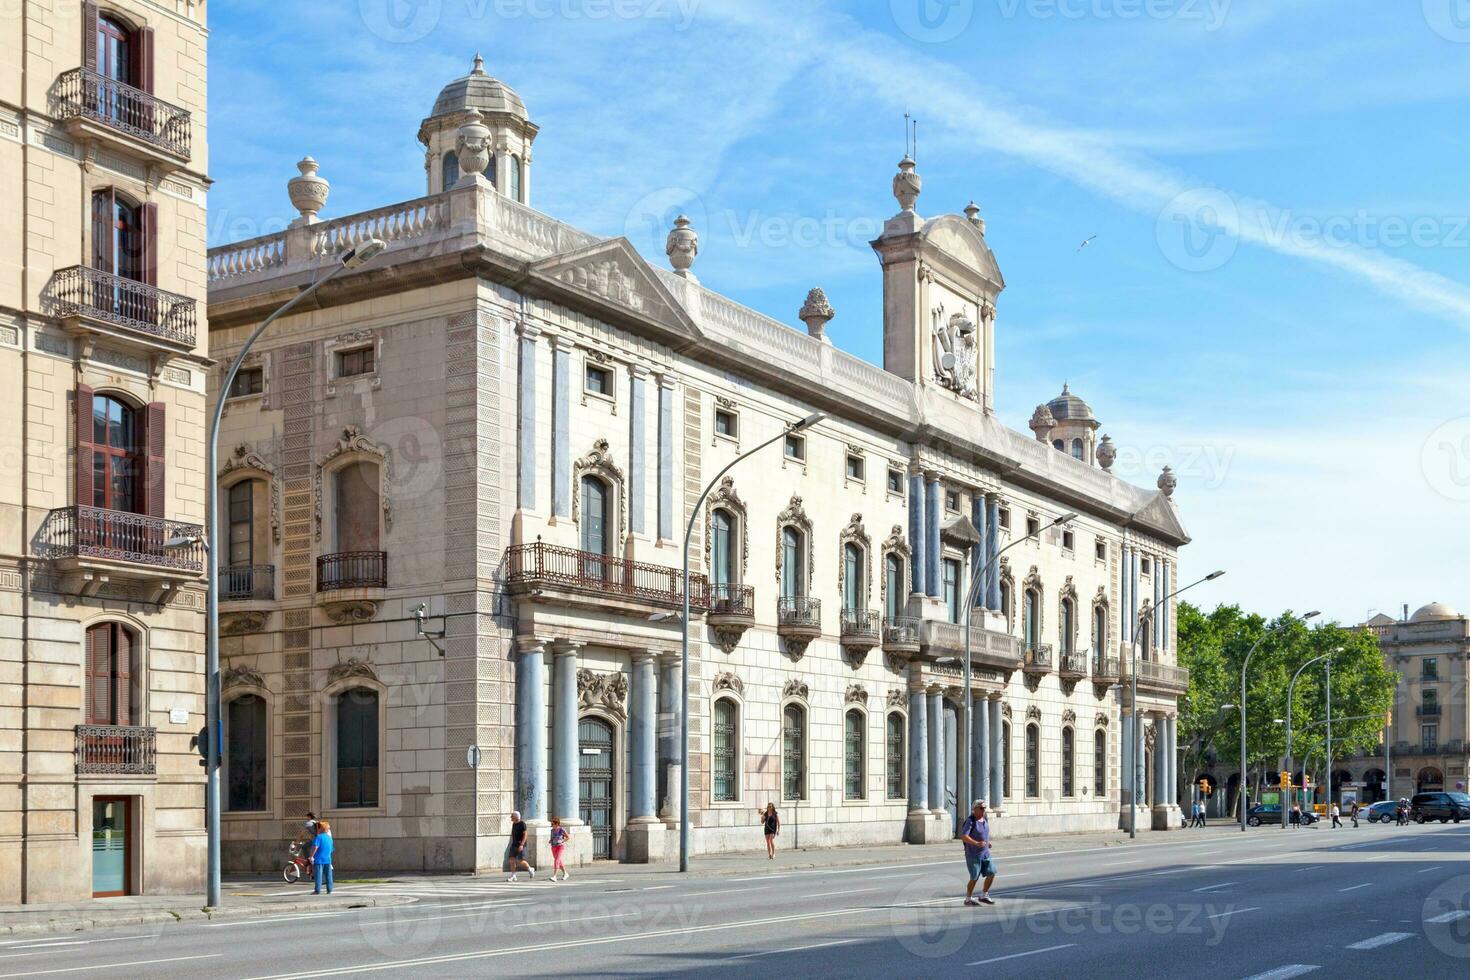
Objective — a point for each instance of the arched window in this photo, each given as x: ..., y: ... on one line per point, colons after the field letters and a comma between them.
x: 1059, y: 445
x: 1069, y: 625
x: 726, y: 762
x: 1005, y: 605
x: 854, y: 572
x: 1099, y: 763
x: 356, y: 513
x: 793, y: 752
x: 1031, y: 619
x: 246, y: 753
x: 722, y: 548
x: 515, y: 179
x: 596, y: 514
x: 894, y: 593
x: 240, y: 520
x: 357, y: 748
x: 854, y: 756
x: 1033, y: 760
x: 793, y: 565
x: 1069, y: 759
x: 111, y: 648
x: 116, y: 459
x: 1076, y: 448
x: 117, y: 246
x: 1099, y: 630
x: 450, y: 169
x: 1005, y: 753
x: 896, y: 757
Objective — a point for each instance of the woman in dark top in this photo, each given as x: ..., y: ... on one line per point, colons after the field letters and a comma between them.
x: 771, y: 823
x: 515, y: 853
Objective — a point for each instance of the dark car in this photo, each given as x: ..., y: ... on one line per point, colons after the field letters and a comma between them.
x: 1264, y: 813
x: 1443, y: 807
x: 1382, y: 810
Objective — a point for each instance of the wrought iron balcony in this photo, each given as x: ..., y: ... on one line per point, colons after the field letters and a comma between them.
x: 244, y: 583
x: 732, y: 600
x: 1427, y: 710
x: 116, y: 750
x: 1159, y: 677
x: 1072, y: 664
x: 1105, y: 668
x: 539, y: 565
x: 352, y: 570
x: 1037, y: 660
x: 901, y: 634
x: 83, y: 96
x: 860, y: 628
x: 119, y: 536
x: 798, y: 614
x: 144, y: 312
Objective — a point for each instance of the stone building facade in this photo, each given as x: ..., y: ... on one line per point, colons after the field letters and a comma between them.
x: 102, y: 389
x: 466, y: 476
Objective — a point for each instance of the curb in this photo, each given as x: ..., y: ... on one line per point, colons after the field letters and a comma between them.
x: 171, y: 916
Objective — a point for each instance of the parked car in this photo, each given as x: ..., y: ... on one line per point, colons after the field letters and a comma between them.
x: 1270, y: 813
x: 1382, y: 810
x: 1443, y: 807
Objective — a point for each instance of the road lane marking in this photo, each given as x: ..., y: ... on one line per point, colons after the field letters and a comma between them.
x: 1422, y: 871
x: 1210, y: 888
x: 1383, y: 940
x: 113, y: 966
x: 845, y: 891
x: 1353, y: 888
x: 1312, y: 868
x: 1221, y: 915
x: 1454, y: 916
x: 654, y: 888
x: 1286, y: 972
x: 794, y: 949
x: 1029, y: 952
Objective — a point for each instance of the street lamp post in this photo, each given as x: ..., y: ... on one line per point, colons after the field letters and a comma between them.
x: 1290, y: 688
x: 353, y: 258
x: 800, y: 426
x: 1240, y: 792
x: 1133, y: 697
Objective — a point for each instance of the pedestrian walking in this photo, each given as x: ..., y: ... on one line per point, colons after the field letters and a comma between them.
x: 323, y: 847
x: 1296, y: 814
x: 515, y: 852
x: 1402, y: 812
x: 1194, y: 814
x: 1203, y: 806
x: 771, y: 824
x: 559, y: 837
x: 1336, y: 817
x: 1353, y: 814
x: 976, y: 836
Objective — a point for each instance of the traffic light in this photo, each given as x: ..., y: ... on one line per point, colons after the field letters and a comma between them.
x: 1285, y: 779
x: 1307, y: 780
x: 1204, y: 786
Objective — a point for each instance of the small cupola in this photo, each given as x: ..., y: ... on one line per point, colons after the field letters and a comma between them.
x: 501, y: 111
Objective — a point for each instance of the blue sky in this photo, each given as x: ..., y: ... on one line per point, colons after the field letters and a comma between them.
x: 1276, y: 302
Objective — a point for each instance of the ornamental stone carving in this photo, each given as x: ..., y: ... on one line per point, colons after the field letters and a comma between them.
x: 855, y: 694
x: 727, y: 681
x: 1005, y: 709
x: 1150, y: 735
x: 955, y: 351
x: 599, y: 461
x: 1033, y: 713
x: 472, y: 146
x: 308, y: 192
x: 239, y: 623
x: 606, y: 691
x: 1101, y: 721
x: 1042, y: 422
x: 795, y: 689
x: 1106, y: 452
x: 897, y: 699
x: 351, y: 667
x: 348, y: 611
x: 244, y: 457
x: 816, y: 313
x: 241, y: 676
x: 353, y: 441
x: 682, y: 247
x: 1069, y: 717
x: 795, y: 516
x: 907, y: 184
x: 1168, y: 481
x: 895, y: 663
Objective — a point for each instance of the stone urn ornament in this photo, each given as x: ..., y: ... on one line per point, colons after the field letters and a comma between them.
x: 1168, y: 481
x: 1106, y: 452
x: 472, y: 146
x: 907, y: 184
x: 308, y: 192
x: 682, y: 247
x: 816, y: 312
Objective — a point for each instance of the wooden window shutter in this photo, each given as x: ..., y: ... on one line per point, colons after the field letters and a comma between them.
x: 104, y: 218
x: 122, y: 661
x: 84, y: 490
x: 153, y: 459
x: 148, y: 220
x: 89, y: 34
x: 99, y: 675
x: 145, y: 59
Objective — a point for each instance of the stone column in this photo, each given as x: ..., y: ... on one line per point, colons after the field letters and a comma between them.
x: 992, y: 536
x: 1158, y: 617
x: 932, y: 511
x: 645, y: 830
x: 918, y: 751
x: 561, y: 452
x: 1171, y: 766
x: 936, y: 750
x: 1132, y: 592
x: 670, y: 687
x: 917, y: 542
x: 637, y: 448
x: 980, y: 784
x: 1161, y: 760
x: 978, y: 553
x: 531, y: 730
x: 1164, y: 613
x: 665, y: 457
x: 526, y: 412
x: 565, y: 760
x: 1128, y: 788
x: 997, y: 753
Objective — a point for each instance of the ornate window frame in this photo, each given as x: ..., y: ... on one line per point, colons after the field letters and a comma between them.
x: 599, y: 462
x: 896, y: 545
x: 1032, y: 583
x: 795, y: 516
x: 728, y: 687
x: 796, y: 696
x: 238, y: 683
x: 850, y: 707
x: 855, y: 534
x: 346, y: 677
x: 353, y: 447
x: 247, y: 464
x: 895, y: 710
x: 344, y: 343
x: 1100, y: 605
x: 726, y: 498
x: 1065, y: 596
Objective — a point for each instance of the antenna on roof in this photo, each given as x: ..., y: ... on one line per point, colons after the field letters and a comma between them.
x: 907, y: 119
x: 915, y: 155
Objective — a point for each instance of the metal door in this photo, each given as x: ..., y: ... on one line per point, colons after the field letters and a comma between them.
x: 595, y: 789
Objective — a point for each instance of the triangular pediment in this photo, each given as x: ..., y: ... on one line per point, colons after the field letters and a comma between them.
x: 1161, y: 517
x: 610, y: 279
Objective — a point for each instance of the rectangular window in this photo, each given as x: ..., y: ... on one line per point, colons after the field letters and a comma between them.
x: 246, y: 754
x: 1033, y: 526
x: 952, y: 589
x: 1069, y: 540
x: 242, y: 523
x: 895, y: 761
x: 727, y: 423
x: 351, y: 363
x: 1431, y: 669
x: 854, y: 763
x: 952, y: 501
x: 855, y: 468
x: 1100, y: 550
x: 1429, y: 735
x: 895, y: 482
x: 1005, y: 518
x: 793, y: 753
x: 796, y: 448
x: 1144, y: 566
x: 357, y: 748
x: 249, y: 381
x: 599, y: 380
x: 724, y: 751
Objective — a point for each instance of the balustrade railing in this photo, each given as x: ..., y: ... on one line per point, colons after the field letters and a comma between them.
x: 394, y: 223
x: 114, y: 535
x: 1103, y: 666
x: 1037, y: 659
x: 901, y: 631
x: 798, y: 612
x: 726, y: 599
x: 1427, y: 710
x: 588, y: 571
x: 352, y: 570
x: 86, y: 94
x: 1073, y: 662
x: 243, y: 258
x: 80, y: 290
x: 116, y: 749
x: 238, y: 583
x: 860, y: 624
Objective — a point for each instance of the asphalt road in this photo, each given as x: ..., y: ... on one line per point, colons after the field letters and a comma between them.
x: 1380, y: 901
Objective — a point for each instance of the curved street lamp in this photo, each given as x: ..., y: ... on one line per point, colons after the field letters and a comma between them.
x: 1240, y: 791
x: 1290, y: 689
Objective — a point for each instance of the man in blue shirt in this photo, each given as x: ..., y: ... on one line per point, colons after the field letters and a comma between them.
x: 976, y: 834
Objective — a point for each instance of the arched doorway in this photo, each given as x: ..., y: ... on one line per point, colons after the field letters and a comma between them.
x: 1340, y: 778
x: 1429, y: 780
x: 1375, y: 786
x: 596, y: 791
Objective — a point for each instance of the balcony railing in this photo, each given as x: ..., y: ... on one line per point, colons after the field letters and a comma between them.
x: 1073, y: 663
x: 352, y: 570
x: 548, y: 565
x: 1037, y: 659
x: 901, y: 632
x: 84, y: 94
x: 1105, y: 667
x: 82, y: 291
x: 1427, y: 710
x: 241, y: 583
x: 1166, y: 676
x: 116, y: 749
x: 860, y: 625
x: 114, y: 535
x: 798, y: 612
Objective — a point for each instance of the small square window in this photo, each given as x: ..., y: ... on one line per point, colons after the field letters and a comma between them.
x: 1005, y: 518
x: 1033, y: 526
x: 952, y: 501
x: 351, y: 363
x: 1069, y: 540
x: 1144, y: 567
x: 727, y: 423
x: 796, y: 448
x: 895, y: 482
x: 599, y: 380
x: 1101, y: 550
x: 249, y: 381
x: 855, y: 468
x: 1431, y: 669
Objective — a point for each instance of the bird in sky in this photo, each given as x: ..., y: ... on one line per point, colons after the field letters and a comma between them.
x: 1089, y: 241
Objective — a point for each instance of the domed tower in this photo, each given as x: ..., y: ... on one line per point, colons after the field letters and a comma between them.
x: 501, y: 111
x: 1075, y: 431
